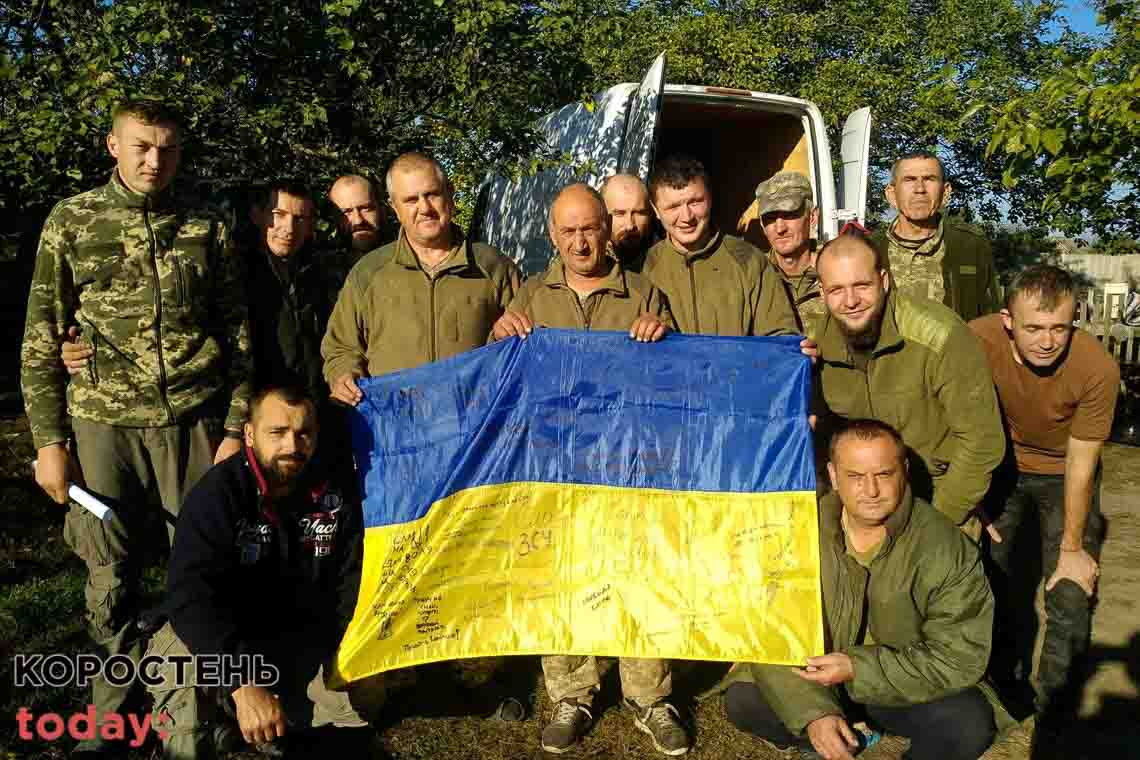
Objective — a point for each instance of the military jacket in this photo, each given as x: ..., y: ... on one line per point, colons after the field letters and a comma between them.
x: 155, y: 285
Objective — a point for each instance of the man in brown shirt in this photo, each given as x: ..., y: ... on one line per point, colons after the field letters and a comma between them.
x: 1057, y: 387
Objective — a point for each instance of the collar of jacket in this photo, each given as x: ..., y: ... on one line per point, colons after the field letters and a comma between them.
x: 831, y: 529
x: 407, y: 258
x: 121, y: 196
x: 265, y: 503
x: 833, y: 344
x: 926, y: 245
x: 614, y: 282
x: 708, y: 249
x: 297, y: 262
x: 809, y: 274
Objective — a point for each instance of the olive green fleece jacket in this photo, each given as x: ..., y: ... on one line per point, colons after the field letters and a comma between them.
x: 927, y: 376
x: 622, y: 297
x: 392, y: 315
x: 924, y: 601
x: 726, y: 288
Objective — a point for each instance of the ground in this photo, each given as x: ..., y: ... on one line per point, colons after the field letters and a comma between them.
x: 41, y: 606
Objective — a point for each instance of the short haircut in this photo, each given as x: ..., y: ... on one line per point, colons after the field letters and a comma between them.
x: 577, y: 186
x: 147, y: 111
x: 262, y: 195
x: 292, y: 395
x: 864, y: 430
x: 356, y: 179
x: 1051, y: 284
x: 843, y: 242
x: 676, y: 172
x: 410, y: 162
x: 613, y: 178
x: 919, y: 154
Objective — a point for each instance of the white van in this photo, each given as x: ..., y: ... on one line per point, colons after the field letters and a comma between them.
x: 741, y: 137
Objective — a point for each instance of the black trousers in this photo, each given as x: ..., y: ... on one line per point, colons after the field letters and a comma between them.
x: 1035, y: 505
x: 957, y: 727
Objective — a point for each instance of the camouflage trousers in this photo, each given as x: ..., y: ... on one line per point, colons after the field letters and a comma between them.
x: 121, y: 465
x: 189, y: 715
x: 643, y: 681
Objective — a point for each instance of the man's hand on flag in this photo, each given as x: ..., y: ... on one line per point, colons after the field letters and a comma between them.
x: 648, y: 329
x: 512, y: 323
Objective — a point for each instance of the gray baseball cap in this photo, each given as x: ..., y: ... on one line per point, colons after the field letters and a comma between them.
x: 786, y: 191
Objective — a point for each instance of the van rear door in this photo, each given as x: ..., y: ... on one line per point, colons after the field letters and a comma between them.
x: 641, y: 124
x: 855, y: 152
x: 618, y: 132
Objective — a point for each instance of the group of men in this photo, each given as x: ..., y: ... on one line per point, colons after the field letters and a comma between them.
x: 160, y: 353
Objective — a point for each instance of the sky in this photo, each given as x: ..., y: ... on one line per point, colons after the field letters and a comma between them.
x: 1082, y: 16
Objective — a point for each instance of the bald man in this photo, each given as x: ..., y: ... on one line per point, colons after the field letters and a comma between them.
x: 915, y: 365
x: 584, y: 288
x: 361, y: 214
x: 631, y: 219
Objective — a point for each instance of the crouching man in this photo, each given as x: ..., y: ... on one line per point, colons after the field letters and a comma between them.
x: 908, y: 618
x: 586, y: 288
x: 266, y: 562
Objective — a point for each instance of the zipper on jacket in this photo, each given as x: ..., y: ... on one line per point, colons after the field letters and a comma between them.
x: 693, y: 291
x: 431, y: 322
x: 157, y: 310
x: 177, y: 266
x: 581, y: 311
x: 92, y: 369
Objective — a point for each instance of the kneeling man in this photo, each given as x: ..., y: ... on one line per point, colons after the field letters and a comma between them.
x: 586, y: 288
x: 908, y: 616
x: 266, y: 562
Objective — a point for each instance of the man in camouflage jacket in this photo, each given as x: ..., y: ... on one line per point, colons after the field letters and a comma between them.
x: 151, y: 281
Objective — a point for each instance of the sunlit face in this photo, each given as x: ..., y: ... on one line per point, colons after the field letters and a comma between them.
x: 788, y: 233
x: 855, y: 292
x: 360, y: 215
x: 286, y: 224
x: 918, y: 190
x: 631, y: 215
x: 1039, y: 336
x: 283, y: 438
x: 685, y: 214
x: 870, y: 478
x: 579, y: 229
x: 146, y: 155
x: 423, y: 204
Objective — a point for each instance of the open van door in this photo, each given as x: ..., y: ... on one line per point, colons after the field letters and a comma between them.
x: 511, y: 215
x: 855, y: 152
x: 641, y: 124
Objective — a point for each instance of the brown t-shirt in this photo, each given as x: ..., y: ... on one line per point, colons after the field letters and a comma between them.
x: 1076, y: 400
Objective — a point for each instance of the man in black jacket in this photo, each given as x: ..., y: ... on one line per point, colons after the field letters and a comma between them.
x: 262, y: 582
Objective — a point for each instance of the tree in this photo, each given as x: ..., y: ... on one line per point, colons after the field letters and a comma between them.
x: 1071, y: 140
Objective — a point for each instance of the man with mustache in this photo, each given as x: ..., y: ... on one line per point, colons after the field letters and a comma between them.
x: 148, y: 273
x: 908, y: 616
x: 266, y: 562
x: 631, y: 219
x: 361, y: 215
x: 788, y: 216
x: 931, y: 256
x: 1058, y: 387
x: 915, y: 365
x: 584, y: 288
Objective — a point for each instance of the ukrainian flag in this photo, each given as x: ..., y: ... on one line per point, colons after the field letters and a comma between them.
x: 582, y: 493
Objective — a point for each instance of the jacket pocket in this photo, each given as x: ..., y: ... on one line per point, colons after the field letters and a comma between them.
x: 190, y: 268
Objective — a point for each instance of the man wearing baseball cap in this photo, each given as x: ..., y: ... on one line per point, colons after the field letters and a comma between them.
x: 788, y: 215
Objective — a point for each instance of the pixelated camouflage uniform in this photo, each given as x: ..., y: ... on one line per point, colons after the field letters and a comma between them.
x: 643, y: 681
x: 155, y: 286
x: 807, y: 298
x: 954, y: 267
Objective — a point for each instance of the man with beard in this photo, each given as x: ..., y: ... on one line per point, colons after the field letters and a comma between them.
x: 788, y: 216
x: 915, y: 365
x: 930, y: 255
x: 585, y: 289
x: 361, y: 215
x: 1058, y: 387
x: 631, y: 219
x: 266, y: 562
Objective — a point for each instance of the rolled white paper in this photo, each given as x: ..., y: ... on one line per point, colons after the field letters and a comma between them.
x: 90, y: 502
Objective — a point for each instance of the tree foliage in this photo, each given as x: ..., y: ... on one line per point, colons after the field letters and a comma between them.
x: 314, y: 88
x: 1071, y: 141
